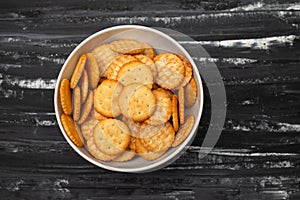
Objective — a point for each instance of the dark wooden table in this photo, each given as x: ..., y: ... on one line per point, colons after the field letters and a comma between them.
x: 256, y: 46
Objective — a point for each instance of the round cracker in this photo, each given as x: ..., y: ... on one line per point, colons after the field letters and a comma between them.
x: 132, y: 145
x: 111, y: 136
x: 87, y: 107
x: 133, y: 126
x: 184, y: 130
x: 175, y: 117
x: 163, y: 108
x: 92, y: 71
x: 145, y: 153
x: 125, y: 156
x: 188, y: 69
x: 104, y: 56
x: 65, y: 96
x: 94, y: 114
x: 93, y: 149
x: 127, y: 46
x: 71, y: 130
x: 114, y: 68
x: 78, y: 71
x: 149, y: 62
x: 170, y: 70
x: 148, y: 50
x: 106, y: 98
x: 190, y: 91
x: 161, y: 140
x: 76, y: 103
x: 87, y: 128
x: 84, y: 86
x: 135, y: 72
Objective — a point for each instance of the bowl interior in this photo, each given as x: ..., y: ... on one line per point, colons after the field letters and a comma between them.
x: 161, y: 43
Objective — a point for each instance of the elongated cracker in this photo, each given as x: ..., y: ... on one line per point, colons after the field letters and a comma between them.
x: 87, y: 128
x: 175, y: 118
x: 111, y: 136
x: 135, y: 72
x: 127, y: 46
x: 87, y: 107
x: 163, y: 108
x: 71, y: 130
x: 148, y: 50
x: 104, y: 56
x: 93, y: 149
x: 92, y: 70
x: 148, y: 62
x: 78, y: 71
x: 84, y: 86
x: 65, y: 96
x: 184, y: 130
x: 190, y: 91
x: 160, y: 141
x: 145, y: 153
x: 114, y: 68
x: 106, y: 98
x: 181, y: 104
x: 188, y: 69
x: 125, y: 156
x: 76, y: 103
x: 170, y: 70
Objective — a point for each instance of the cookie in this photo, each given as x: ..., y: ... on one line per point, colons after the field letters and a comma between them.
x: 92, y: 70
x: 175, y: 118
x: 135, y: 72
x: 148, y: 62
x: 184, y: 130
x: 93, y: 149
x: 170, y: 70
x: 190, y: 91
x: 84, y: 86
x: 114, y: 68
x: 76, y: 103
x: 181, y: 104
x: 145, y: 153
x: 78, y: 71
x: 188, y: 69
x: 163, y: 108
x: 106, y: 98
x: 87, y: 107
x: 148, y: 50
x: 125, y: 156
x: 127, y: 46
x: 104, y: 56
x: 111, y: 136
x: 71, y: 130
x: 87, y: 128
x: 65, y: 96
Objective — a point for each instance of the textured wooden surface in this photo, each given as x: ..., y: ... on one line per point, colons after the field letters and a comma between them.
x: 256, y: 46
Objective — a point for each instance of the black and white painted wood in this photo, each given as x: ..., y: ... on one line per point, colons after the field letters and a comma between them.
x: 256, y: 46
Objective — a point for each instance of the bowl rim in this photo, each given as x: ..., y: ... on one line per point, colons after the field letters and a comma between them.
x: 180, y: 149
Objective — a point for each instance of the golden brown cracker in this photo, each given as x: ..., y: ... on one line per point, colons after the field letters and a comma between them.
x: 184, y: 130
x: 87, y: 107
x: 114, y: 68
x: 161, y: 140
x: 190, y: 91
x: 188, y: 69
x: 71, y: 130
x: 125, y: 156
x: 106, y: 98
x: 65, y: 96
x: 76, y: 103
x: 92, y: 70
x: 93, y: 149
x: 87, y: 128
x: 163, y: 108
x: 132, y: 145
x: 148, y: 50
x: 181, y: 104
x: 145, y: 153
x: 135, y: 72
x: 111, y: 136
x: 84, y: 86
x: 78, y: 71
x: 148, y: 62
x: 94, y: 114
x: 175, y: 118
x: 127, y: 46
x: 104, y: 56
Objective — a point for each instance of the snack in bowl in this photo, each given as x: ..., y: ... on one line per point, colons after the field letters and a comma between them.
x: 128, y: 101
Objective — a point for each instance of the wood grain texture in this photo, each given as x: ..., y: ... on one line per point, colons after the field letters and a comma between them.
x: 256, y: 46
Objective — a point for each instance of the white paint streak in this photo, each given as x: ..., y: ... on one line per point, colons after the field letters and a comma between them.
x: 241, y: 128
x: 9, y: 66
x: 45, y: 122
x: 54, y: 60
x: 249, y: 7
x: 235, y: 61
x: 14, y: 187
x: 59, y: 185
x: 255, y: 43
x: 31, y: 83
x: 284, y: 127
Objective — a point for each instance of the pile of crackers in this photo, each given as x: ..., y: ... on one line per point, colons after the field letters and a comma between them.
x: 124, y: 100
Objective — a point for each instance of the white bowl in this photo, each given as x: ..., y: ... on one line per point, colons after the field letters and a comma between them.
x: 161, y: 43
